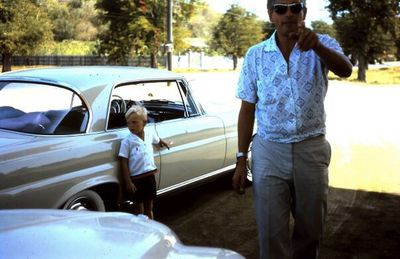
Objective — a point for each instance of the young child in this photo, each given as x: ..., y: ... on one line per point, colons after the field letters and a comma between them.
x: 137, y: 161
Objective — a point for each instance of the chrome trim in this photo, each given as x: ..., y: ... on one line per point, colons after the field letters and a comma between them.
x: 197, y: 179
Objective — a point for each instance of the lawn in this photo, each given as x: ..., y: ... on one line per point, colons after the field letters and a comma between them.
x: 375, y: 76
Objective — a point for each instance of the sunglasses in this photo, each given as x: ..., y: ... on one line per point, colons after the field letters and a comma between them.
x: 295, y: 8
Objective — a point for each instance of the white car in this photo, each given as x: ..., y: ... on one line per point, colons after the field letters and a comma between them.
x: 61, y: 128
x: 41, y: 233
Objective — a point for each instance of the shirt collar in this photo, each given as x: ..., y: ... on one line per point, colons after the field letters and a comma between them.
x: 270, y: 44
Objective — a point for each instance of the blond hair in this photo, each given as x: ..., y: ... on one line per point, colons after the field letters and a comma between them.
x: 138, y: 110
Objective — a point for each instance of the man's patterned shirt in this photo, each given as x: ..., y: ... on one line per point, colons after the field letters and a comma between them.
x: 289, y: 97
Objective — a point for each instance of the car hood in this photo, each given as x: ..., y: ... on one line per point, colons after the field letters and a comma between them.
x: 77, y: 234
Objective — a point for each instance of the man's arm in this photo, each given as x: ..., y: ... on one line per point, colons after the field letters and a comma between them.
x: 336, y: 62
x: 245, y: 132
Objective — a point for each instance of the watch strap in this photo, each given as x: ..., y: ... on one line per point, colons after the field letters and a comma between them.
x: 241, y: 154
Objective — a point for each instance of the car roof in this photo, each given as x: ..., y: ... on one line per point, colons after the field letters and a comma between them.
x: 85, y: 77
x: 93, y: 83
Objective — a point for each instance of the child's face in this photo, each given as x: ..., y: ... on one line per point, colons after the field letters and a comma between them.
x: 136, y: 123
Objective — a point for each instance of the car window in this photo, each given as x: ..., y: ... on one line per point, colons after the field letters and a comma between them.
x: 41, y: 109
x: 164, y: 100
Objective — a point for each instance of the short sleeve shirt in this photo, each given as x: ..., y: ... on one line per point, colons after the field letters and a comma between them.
x: 289, y: 96
x: 139, y: 152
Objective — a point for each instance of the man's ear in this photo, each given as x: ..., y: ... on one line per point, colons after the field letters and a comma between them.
x: 270, y: 12
x: 304, y: 13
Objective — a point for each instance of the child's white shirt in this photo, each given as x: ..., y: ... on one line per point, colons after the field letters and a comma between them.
x: 139, y: 153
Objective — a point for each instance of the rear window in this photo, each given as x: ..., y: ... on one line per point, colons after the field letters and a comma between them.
x: 41, y: 109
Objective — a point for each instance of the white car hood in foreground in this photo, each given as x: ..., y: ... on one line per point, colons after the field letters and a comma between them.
x: 70, y: 234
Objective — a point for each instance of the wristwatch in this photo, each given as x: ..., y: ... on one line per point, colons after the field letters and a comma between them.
x: 241, y: 154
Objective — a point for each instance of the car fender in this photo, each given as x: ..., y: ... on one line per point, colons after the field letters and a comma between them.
x: 101, y: 184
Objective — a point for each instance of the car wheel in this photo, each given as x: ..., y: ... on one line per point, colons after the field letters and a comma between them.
x: 85, y: 200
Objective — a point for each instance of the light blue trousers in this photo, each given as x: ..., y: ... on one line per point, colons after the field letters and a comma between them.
x: 290, y: 178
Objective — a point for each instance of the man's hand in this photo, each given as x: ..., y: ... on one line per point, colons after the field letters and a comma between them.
x: 306, y: 38
x: 239, y: 178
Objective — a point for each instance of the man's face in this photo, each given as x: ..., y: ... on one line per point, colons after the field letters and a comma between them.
x: 136, y: 124
x: 287, y: 16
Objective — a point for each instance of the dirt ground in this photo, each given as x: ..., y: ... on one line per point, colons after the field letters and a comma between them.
x: 360, y: 225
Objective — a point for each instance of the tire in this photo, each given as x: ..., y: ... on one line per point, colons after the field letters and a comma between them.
x: 85, y: 200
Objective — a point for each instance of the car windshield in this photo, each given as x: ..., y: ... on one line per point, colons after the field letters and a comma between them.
x: 41, y: 109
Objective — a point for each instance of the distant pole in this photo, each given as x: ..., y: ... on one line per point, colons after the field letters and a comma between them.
x: 170, y: 41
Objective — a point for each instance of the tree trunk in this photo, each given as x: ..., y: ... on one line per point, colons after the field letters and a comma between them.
x: 235, y: 61
x: 362, y: 68
x: 6, y: 62
x: 153, y: 60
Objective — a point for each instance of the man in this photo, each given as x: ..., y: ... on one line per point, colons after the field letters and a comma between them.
x: 283, y: 84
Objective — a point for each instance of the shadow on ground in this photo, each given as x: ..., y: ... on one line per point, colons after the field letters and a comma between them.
x: 360, y: 224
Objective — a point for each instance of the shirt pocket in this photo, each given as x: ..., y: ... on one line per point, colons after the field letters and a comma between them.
x: 266, y: 92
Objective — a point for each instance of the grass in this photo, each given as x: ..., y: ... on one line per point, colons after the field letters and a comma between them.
x: 366, y: 167
x: 375, y: 76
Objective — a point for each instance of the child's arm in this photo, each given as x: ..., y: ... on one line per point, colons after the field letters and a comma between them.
x: 126, y: 176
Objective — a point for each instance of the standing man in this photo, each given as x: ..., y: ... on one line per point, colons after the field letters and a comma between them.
x: 283, y: 84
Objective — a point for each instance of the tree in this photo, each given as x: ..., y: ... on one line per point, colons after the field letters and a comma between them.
x: 365, y: 28
x: 268, y: 29
x: 24, y: 28
x: 397, y: 41
x: 236, y: 32
x: 138, y: 27
x: 323, y: 28
x: 201, y: 26
x: 73, y: 19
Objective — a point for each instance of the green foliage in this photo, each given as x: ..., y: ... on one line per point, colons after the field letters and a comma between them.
x: 138, y: 27
x: 73, y: 47
x: 24, y: 27
x: 201, y: 24
x: 73, y: 19
x: 236, y: 31
x: 323, y: 28
x: 365, y: 28
x: 268, y: 29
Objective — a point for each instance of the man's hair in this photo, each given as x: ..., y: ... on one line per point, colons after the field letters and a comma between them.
x: 138, y: 110
x: 270, y: 4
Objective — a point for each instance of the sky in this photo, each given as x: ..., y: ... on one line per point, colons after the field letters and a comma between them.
x: 316, y: 8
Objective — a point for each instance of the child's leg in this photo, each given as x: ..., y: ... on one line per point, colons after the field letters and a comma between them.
x: 148, y: 208
x: 138, y: 208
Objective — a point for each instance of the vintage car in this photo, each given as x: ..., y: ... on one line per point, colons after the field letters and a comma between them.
x: 61, y: 128
x: 44, y: 233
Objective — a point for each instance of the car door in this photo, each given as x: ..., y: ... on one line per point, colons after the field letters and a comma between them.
x: 197, y: 141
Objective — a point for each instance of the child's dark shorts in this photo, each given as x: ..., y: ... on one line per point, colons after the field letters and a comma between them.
x: 146, y: 188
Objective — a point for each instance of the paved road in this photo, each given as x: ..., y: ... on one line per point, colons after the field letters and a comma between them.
x: 364, y: 203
